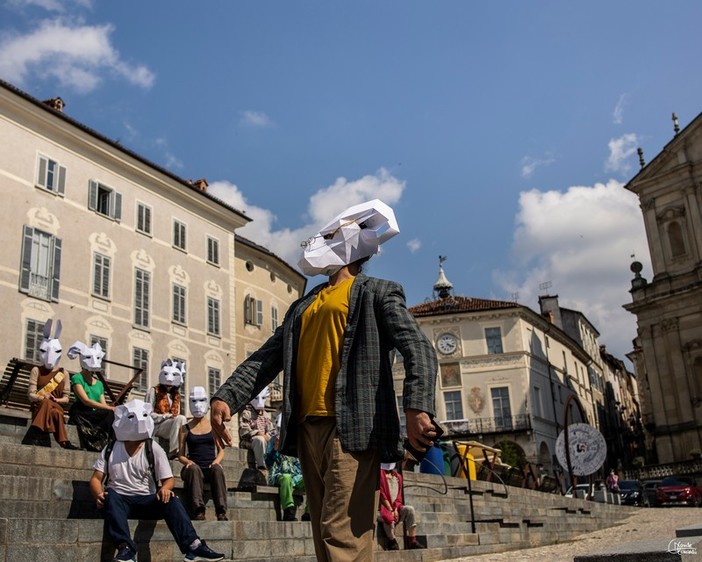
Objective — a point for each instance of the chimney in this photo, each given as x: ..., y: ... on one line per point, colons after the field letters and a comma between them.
x: 56, y: 104
x: 201, y: 184
x: 551, y: 310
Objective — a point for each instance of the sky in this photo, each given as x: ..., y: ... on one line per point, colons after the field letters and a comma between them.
x: 501, y: 133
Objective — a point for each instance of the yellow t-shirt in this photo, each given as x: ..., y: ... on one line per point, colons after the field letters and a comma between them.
x: 319, y: 349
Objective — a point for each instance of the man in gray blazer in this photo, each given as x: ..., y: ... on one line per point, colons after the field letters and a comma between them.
x: 336, y: 347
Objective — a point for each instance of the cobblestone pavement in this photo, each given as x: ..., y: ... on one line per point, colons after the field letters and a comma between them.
x: 644, y: 525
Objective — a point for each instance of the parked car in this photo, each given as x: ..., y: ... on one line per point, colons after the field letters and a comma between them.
x: 679, y: 490
x: 581, y: 491
x: 631, y: 492
x: 649, y: 491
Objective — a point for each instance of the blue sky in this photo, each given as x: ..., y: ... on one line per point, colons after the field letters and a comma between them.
x: 500, y: 132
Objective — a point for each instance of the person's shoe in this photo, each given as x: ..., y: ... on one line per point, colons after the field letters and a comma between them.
x: 202, y: 553
x: 306, y: 517
x: 125, y: 553
x: 199, y: 515
x: 392, y: 545
x: 222, y: 517
x: 289, y: 514
x: 69, y: 446
x: 414, y: 545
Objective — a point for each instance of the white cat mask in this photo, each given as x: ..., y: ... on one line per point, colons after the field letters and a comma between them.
x: 172, y: 373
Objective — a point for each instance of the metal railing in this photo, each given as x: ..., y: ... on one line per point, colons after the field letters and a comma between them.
x: 502, y: 424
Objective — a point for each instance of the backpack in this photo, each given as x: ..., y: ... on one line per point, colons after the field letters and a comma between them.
x: 148, y: 448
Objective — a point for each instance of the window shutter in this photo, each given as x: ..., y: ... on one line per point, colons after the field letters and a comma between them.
x: 106, y: 277
x: 117, y: 215
x: 56, y: 271
x: 259, y: 313
x: 97, y: 275
x: 62, y: 180
x: 26, y: 258
x: 41, y: 178
x: 92, y: 196
x: 147, y: 220
x: 247, y: 311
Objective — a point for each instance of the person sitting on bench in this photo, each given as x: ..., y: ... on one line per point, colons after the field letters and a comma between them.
x: 392, y: 508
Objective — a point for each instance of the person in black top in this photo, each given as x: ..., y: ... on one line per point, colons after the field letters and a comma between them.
x: 201, y: 459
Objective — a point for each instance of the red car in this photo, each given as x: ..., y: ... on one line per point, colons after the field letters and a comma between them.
x: 679, y: 490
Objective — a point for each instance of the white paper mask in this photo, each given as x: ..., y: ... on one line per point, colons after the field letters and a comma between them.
x: 90, y: 357
x: 172, y: 373
x: 260, y: 401
x: 387, y: 466
x: 354, y: 234
x: 50, y: 348
x: 133, y: 421
x: 199, y: 401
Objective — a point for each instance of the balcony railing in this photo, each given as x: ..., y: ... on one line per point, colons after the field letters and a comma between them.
x: 488, y: 425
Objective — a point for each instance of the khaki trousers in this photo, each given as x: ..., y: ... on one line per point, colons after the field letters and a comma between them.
x: 342, y: 493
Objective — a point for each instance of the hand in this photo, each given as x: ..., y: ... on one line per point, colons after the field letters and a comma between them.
x: 396, y: 515
x: 214, y: 462
x: 164, y: 495
x: 420, y: 430
x: 187, y: 466
x: 220, y: 413
x: 166, y: 416
x: 100, y: 500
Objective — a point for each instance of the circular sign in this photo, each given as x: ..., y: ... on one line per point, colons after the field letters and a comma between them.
x: 588, y: 449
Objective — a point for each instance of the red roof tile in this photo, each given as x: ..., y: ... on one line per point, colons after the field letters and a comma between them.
x: 452, y: 305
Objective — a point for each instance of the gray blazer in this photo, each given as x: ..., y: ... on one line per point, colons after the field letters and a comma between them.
x: 365, y: 405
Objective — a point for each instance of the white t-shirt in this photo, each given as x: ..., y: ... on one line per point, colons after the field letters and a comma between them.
x: 130, y: 476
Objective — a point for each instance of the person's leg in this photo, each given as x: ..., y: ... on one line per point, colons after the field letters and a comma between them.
x: 258, y: 446
x: 218, y: 486
x: 193, y: 479
x: 173, y: 427
x: 116, y: 514
x: 407, y: 516
x: 178, y: 523
x: 285, y: 491
x: 342, y: 493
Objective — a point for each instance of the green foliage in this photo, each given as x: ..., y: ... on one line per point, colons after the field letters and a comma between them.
x: 512, y: 454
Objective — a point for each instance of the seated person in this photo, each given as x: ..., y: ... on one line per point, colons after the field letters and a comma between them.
x: 90, y: 412
x: 202, y: 459
x: 256, y: 428
x: 49, y: 390
x: 285, y: 473
x: 131, y: 468
x: 392, y: 508
x: 165, y: 400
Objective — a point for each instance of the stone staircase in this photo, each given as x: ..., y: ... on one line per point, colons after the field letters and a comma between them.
x: 47, y: 514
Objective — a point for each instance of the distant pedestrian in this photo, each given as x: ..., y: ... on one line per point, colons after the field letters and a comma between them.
x: 612, y: 482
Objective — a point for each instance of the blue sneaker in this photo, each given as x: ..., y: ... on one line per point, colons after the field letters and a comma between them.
x: 125, y: 553
x: 202, y: 553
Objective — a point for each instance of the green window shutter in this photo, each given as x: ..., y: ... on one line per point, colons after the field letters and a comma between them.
x: 26, y: 267
x: 56, y: 273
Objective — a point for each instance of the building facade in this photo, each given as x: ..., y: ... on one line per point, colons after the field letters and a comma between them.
x: 122, y: 252
x: 668, y: 346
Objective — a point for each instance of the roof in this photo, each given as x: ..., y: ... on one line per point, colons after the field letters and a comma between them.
x: 453, y: 304
x: 119, y: 147
x: 246, y: 242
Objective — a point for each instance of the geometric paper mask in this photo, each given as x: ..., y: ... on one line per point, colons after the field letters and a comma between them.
x: 172, y: 373
x: 90, y: 357
x: 50, y: 348
x: 260, y: 401
x: 133, y: 421
x: 199, y: 401
x: 350, y: 236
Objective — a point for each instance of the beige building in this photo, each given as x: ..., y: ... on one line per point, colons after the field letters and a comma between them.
x: 123, y: 252
x: 505, y: 372
x: 668, y: 347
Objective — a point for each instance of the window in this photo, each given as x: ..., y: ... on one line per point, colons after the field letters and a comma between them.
x: 41, y: 264
x: 493, y: 338
x: 675, y: 237
x: 101, y: 276
x: 274, y: 318
x: 212, y: 316
x: 537, y: 409
x: 181, y: 388
x: 179, y: 304
x: 140, y: 359
x: 403, y: 418
x: 565, y: 363
x: 501, y: 408
x: 213, y: 251
x: 454, y: 405
x: 51, y: 176
x: 143, y: 221
x: 105, y: 200
x: 179, y: 235
x: 32, y: 339
x: 142, y: 288
x: 214, y: 379
x: 253, y: 311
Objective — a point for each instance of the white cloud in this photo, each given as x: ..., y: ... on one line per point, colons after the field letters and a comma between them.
x: 255, y: 119
x: 529, y: 164
x: 322, y: 207
x: 618, y: 113
x: 414, y: 245
x: 620, y: 150
x: 76, y: 56
x: 581, y: 241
